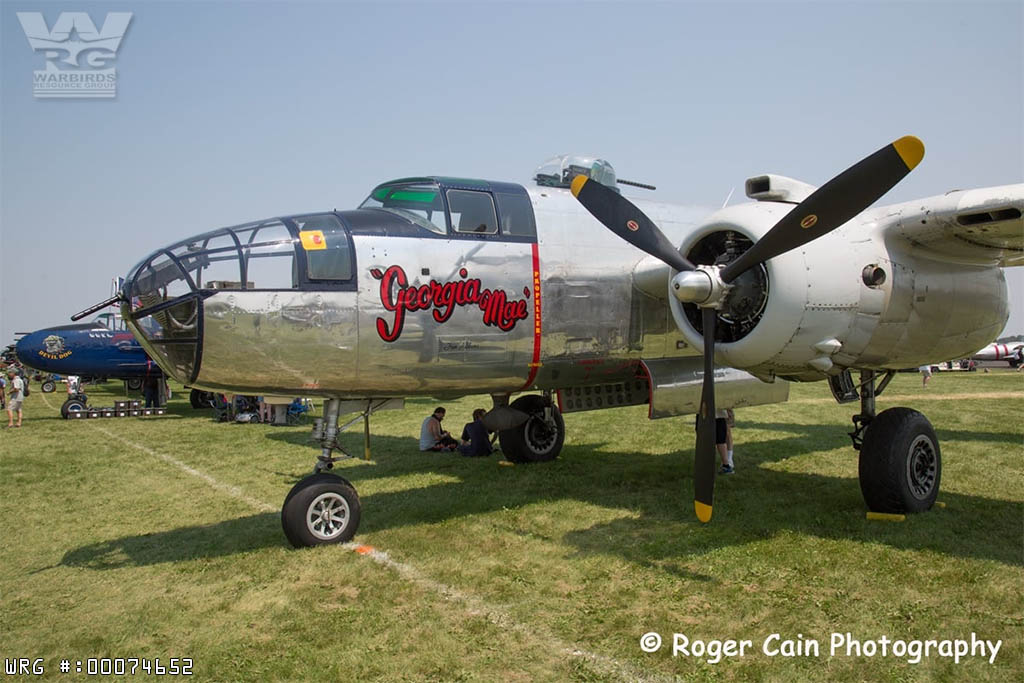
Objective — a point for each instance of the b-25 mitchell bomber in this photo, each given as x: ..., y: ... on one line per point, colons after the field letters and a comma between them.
x: 444, y: 287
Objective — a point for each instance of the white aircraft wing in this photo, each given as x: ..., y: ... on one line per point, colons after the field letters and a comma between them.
x: 983, y: 226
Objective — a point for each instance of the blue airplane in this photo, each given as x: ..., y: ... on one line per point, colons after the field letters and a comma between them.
x: 101, y: 349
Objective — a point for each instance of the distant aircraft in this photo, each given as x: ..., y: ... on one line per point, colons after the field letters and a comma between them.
x: 446, y: 287
x: 101, y: 349
x: 1012, y: 353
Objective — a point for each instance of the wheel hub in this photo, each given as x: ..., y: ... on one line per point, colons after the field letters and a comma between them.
x: 921, y: 467
x: 539, y: 435
x: 327, y: 516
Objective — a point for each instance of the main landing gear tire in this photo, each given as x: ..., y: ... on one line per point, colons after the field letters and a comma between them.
x: 48, y: 387
x: 200, y: 399
x: 321, y: 509
x: 536, y: 440
x: 900, y: 462
x: 72, y: 405
x: 134, y: 384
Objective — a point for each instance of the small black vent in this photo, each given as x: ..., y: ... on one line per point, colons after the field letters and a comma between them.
x: 994, y: 216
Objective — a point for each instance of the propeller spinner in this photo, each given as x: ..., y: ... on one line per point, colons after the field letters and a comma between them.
x: 831, y: 205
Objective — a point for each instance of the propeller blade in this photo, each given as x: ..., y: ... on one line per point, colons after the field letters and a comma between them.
x: 834, y: 203
x: 619, y: 215
x: 704, y: 456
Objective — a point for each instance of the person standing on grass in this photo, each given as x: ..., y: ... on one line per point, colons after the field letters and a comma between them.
x: 15, y: 397
x: 151, y: 389
x: 723, y: 439
x: 730, y: 422
x: 926, y: 375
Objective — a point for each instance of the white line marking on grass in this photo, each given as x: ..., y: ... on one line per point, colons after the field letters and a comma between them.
x: 233, y: 491
x: 472, y: 605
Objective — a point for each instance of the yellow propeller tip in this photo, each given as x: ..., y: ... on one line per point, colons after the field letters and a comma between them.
x: 577, y: 184
x: 910, y: 149
x: 703, y: 511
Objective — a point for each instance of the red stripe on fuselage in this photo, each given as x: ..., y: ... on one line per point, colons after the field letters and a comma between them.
x: 535, y: 363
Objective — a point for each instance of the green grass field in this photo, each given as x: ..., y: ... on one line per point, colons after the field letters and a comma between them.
x: 161, y: 537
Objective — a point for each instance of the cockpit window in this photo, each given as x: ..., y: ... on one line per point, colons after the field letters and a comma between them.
x: 111, y: 321
x: 472, y: 212
x: 417, y: 202
x: 270, y: 257
x: 516, y: 214
x: 328, y: 253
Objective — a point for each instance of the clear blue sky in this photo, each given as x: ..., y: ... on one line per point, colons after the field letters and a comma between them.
x: 235, y: 111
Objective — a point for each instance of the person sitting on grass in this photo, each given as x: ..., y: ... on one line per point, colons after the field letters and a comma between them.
x: 432, y: 437
x: 476, y: 442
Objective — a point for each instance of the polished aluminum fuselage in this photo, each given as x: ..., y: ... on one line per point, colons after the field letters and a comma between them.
x: 594, y: 325
x: 437, y: 316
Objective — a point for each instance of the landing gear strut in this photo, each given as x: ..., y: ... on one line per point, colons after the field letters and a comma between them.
x: 900, y: 462
x: 324, y: 508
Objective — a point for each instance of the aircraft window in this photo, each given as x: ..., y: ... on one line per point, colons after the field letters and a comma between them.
x: 220, y: 267
x: 516, y: 212
x: 159, y: 280
x: 111, y: 321
x: 271, y: 266
x: 420, y: 203
x: 270, y: 257
x: 328, y: 256
x: 472, y: 212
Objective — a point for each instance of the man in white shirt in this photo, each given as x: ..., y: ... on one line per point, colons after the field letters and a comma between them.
x: 432, y: 437
x: 14, y: 398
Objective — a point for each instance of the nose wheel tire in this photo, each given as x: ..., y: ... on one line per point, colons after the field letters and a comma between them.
x: 321, y: 509
x: 72, y: 405
x: 900, y: 462
x: 538, y: 439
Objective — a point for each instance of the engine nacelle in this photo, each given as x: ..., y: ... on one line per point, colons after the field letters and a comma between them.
x: 847, y: 300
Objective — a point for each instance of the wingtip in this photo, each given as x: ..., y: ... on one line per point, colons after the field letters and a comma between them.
x: 577, y: 184
x: 703, y: 511
x: 910, y: 149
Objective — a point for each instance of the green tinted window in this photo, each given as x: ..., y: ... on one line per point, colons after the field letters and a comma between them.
x: 417, y: 202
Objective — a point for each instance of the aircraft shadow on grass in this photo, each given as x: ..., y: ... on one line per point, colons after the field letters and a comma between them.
x: 654, y: 493
x: 822, y: 435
